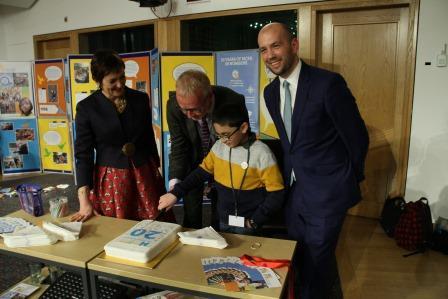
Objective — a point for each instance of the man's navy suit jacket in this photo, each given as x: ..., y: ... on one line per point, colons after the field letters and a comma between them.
x: 329, y: 143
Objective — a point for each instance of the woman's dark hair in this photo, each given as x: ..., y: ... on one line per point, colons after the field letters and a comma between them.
x: 105, y: 62
x: 230, y: 114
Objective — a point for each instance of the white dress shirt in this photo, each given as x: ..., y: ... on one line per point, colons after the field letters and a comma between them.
x: 293, y: 80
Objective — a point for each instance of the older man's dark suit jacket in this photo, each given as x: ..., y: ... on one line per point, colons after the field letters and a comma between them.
x: 186, y: 149
x: 328, y: 146
x: 100, y: 127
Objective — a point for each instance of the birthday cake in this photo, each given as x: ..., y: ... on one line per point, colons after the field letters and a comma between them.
x: 143, y: 241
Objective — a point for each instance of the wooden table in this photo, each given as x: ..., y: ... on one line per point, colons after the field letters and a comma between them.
x: 74, y: 255
x: 182, y: 270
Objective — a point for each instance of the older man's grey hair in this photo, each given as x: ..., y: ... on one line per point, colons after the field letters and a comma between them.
x: 193, y: 82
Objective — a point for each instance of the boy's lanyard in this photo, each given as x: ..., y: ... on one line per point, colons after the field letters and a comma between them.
x: 244, y: 164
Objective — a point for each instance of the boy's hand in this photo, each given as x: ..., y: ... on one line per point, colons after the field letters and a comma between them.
x: 167, y: 201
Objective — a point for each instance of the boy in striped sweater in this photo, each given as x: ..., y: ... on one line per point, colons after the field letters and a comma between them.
x: 245, y: 173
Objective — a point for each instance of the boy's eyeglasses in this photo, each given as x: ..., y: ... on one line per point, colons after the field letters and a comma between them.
x: 224, y: 138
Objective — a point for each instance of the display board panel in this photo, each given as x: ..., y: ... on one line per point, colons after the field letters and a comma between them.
x: 238, y: 70
x: 172, y: 65
x: 19, y: 146
x: 80, y: 79
x: 16, y: 89
x: 55, y: 145
x: 267, y: 127
x: 50, y: 88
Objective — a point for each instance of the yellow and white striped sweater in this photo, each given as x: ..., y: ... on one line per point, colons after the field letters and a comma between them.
x: 261, y: 193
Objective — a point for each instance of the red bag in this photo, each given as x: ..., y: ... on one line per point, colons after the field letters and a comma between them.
x: 414, y: 229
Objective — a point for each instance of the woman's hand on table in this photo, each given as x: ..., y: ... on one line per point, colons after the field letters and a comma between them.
x: 85, y: 206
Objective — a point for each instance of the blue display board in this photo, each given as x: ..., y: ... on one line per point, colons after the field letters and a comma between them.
x: 19, y: 146
x: 166, y: 152
x: 155, y: 92
x: 239, y: 71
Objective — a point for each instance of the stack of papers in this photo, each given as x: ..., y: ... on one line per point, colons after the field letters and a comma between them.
x: 67, y: 231
x: 235, y: 276
x: 9, y: 224
x: 207, y: 237
x: 22, y: 290
x: 169, y: 295
x: 28, y: 236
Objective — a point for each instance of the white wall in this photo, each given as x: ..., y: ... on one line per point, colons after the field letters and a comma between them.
x: 47, y: 16
x: 428, y: 156
x: 2, y: 43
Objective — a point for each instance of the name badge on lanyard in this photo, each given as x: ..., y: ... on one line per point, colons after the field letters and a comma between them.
x: 236, y: 221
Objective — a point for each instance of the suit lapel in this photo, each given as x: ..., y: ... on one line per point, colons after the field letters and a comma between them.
x: 273, y: 101
x: 276, y: 98
x: 301, y: 99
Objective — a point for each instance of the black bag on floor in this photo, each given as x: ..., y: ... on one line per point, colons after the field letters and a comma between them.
x: 414, y: 229
x: 392, y: 210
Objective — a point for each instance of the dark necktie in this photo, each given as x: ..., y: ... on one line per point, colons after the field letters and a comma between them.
x: 205, y: 136
x: 287, y: 109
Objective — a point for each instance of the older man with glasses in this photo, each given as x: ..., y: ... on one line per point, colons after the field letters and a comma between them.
x: 189, y: 119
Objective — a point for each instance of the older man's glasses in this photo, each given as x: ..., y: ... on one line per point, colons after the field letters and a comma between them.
x: 225, y: 137
x: 190, y: 110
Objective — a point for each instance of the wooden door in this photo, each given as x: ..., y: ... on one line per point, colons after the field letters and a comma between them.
x: 57, y: 45
x: 369, y: 47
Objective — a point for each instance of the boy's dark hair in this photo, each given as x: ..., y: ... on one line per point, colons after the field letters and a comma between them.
x: 105, y: 62
x: 230, y: 114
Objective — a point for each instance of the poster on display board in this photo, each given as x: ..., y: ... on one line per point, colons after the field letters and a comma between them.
x: 16, y: 89
x: 80, y: 78
x: 49, y: 82
x: 137, y: 71
x: 156, y: 105
x: 166, y: 153
x: 155, y: 92
x: 267, y: 127
x: 55, y: 146
x: 238, y: 70
x: 172, y: 65
x: 159, y: 141
x: 19, y: 146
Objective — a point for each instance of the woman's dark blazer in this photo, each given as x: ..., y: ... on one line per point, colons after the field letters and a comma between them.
x: 99, y: 127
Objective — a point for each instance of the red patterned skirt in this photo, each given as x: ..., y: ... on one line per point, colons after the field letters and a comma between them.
x: 129, y: 193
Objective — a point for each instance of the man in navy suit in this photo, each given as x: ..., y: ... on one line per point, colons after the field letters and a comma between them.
x: 324, y: 142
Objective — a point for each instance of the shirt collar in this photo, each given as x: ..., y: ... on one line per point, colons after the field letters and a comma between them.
x: 293, y: 78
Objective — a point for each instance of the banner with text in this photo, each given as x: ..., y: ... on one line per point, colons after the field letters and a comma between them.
x: 238, y: 70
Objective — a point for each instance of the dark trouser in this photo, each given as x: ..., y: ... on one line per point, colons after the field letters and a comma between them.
x: 193, y: 209
x: 315, y: 260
